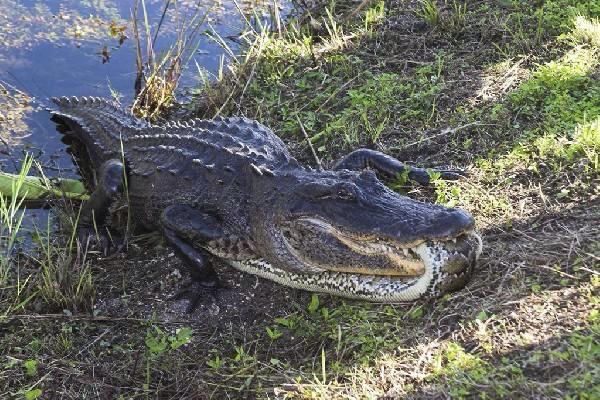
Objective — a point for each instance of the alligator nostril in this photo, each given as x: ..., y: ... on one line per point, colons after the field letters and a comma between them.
x: 448, y: 223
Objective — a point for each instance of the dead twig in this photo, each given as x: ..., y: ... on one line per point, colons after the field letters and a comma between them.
x: 312, y: 149
x: 446, y: 131
x: 92, y: 318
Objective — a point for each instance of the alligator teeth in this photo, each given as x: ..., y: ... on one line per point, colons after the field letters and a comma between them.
x: 405, y: 252
x: 256, y: 169
x: 267, y: 171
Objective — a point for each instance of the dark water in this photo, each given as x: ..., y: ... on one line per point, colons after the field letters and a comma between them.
x: 54, y: 48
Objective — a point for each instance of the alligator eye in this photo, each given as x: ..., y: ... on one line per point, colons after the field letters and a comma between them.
x: 369, y: 175
x: 337, y: 193
x: 318, y: 191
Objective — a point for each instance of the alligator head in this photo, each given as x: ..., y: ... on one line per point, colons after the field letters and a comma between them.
x: 346, y: 233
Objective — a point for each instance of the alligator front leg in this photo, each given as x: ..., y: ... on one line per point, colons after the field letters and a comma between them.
x: 182, y: 226
x: 94, y: 215
x: 389, y: 166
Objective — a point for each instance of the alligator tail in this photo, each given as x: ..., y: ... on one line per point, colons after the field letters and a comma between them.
x: 97, y: 123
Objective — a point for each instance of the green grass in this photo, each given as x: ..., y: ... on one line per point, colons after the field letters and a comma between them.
x: 561, y: 94
x: 11, y: 218
x: 51, y: 270
x: 472, y: 374
x: 540, y: 136
x: 559, y: 16
x: 430, y: 12
x: 525, y: 327
x: 369, y: 107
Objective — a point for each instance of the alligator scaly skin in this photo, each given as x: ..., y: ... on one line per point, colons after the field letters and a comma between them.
x: 229, y: 187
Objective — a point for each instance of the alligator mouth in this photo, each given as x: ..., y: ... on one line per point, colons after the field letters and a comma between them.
x: 403, y: 260
x: 448, y: 266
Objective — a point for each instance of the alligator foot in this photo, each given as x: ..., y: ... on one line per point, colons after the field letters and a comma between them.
x: 94, y: 213
x: 102, y: 239
x: 390, y: 167
x: 204, y: 278
x: 195, y: 292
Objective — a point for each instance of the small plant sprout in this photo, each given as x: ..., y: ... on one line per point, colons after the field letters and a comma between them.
x: 430, y: 12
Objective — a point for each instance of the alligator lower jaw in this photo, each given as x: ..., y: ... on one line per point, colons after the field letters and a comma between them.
x: 381, y: 289
x: 437, y: 279
x: 374, y: 288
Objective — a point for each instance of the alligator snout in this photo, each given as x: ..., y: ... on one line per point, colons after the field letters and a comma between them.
x: 445, y: 225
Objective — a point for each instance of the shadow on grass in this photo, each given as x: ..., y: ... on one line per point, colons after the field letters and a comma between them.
x: 530, y: 285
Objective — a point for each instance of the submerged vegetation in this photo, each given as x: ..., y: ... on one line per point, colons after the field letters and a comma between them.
x: 508, y: 90
x: 14, y: 105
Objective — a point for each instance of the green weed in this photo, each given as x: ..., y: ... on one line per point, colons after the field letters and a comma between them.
x: 159, y: 343
x: 33, y: 394
x: 215, y: 363
x: 430, y: 12
x: 273, y: 333
x: 373, y: 16
x: 31, y: 367
x: 458, y: 15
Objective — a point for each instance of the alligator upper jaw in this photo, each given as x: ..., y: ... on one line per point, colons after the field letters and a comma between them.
x: 405, y: 257
x: 372, y: 242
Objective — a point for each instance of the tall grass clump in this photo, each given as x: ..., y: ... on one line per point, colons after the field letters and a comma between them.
x: 158, y: 76
x: 65, y: 280
x: 430, y: 12
x: 11, y: 217
x: 56, y: 266
x: 63, y: 275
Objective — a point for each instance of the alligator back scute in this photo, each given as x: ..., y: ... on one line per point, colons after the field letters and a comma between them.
x: 98, y: 110
x: 221, y: 143
x: 98, y: 123
x: 254, y: 137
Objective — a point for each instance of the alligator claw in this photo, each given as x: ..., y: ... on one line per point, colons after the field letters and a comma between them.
x: 452, y: 174
x: 107, y: 244
x: 196, y: 291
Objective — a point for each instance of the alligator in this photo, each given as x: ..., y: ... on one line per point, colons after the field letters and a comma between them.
x: 229, y: 188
